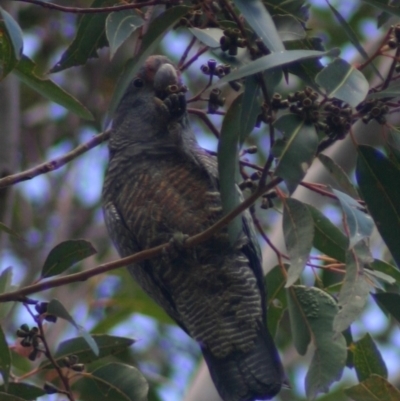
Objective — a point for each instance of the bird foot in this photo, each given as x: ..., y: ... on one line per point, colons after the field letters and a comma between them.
x: 176, y: 104
x: 177, y: 246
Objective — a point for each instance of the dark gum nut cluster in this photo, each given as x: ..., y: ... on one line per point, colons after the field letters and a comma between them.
x: 215, y: 100
x: 373, y: 109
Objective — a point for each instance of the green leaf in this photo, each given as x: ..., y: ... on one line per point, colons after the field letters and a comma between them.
x: 25, y: 71
x: 314, y: 313
x: 15, y: 33
x: 119, y: 26
x: 342, y: 81
x: 389, y: 301
x: 56, y: 308
x: 354, y: 293
x: 156, y: 30
x: 351, y: 35
x: 24, y: 391
x: 107, y: 345
x: 298, y: 230
x: 393, y: 90
x: 228, y: 166
x: 274, y: 282
x: 7, y: 57
x: 65, y: 255
x: 250, y: 108
x: 113, y: 382
x: 271, y: 61
x: 9, y: 397
x: 327, y: 237
x: 260, y: 21
x: 208, y: 36
x: 5, y: 286
x: 387, y: 268
x: 367, y: 359
x: 289, y: 28
x: 90, y: 37
x: 383, y: 5
x: 5, y: 358
x: 301, y: 332
x: 378, y: 179
x: 296, y: 150
x: 393, y: 147
x: 375, y: 388
x: 359, y: 225
x: 9, y: 230
x: 338, y: 174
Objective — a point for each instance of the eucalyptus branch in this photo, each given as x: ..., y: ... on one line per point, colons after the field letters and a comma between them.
x: 194, y: 58
x: 50, y: 357
x: 77, y: 10
x: 391, y: 70
x: 317, y: 189
x: 186, y: 52
x: 20, y: 295
x: 54, y: 164
x: 203, y: 116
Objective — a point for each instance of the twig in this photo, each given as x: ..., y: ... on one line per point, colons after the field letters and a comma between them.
x: 203, y: 116
x: 186, y: 52
x: 49, y: 355
x: 391, y: 70
x: 53, y: 164
x: 320, y: 191
x: 20, y: 294
x: 194, y: 58
x: 93, y: 10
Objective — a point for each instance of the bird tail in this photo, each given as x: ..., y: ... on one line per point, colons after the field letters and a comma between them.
x: 248, y: 376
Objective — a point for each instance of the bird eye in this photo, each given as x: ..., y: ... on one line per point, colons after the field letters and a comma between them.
x: 138, y: 83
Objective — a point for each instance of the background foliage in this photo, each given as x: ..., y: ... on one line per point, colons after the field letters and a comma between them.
x: 260, y: 74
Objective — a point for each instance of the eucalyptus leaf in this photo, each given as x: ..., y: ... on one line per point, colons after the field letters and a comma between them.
x: 56, y: 308
x: 381, y: 5
x: 25, y: 71
x: 359, y: 224
x: 66, y: 254
x: 367, y: 359
x: 228, y: 165
x: 271, y: 61
x: 378, y: 179
x: 208, y: 36
x: 90, y: 37
x: 317, y: 310
x: 250, y: 108
x: 298, y: 231
x: 114, y: 382
x: 14, y: 31
x: 328, y: 239
x: 274, y: 282
x: 119, y: 27
x: 338, y: 174
x: 296, y: 150
x: 289, y: 28
x: 257, y: 16
x: 5, y: 358
x: 375, y: 388
x: 354, y: 293
x: 342, y: 81
x: 24, y: 391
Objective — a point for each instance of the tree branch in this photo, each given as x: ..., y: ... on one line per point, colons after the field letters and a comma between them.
x: 77, y: 10
x: 54, y: 164
x: 19, y: 295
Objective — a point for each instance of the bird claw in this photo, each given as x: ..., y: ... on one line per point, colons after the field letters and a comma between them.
x: 176, y: 246
x: 176, y: 104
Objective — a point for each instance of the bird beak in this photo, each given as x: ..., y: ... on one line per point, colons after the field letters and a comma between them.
x: 165, y: 78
